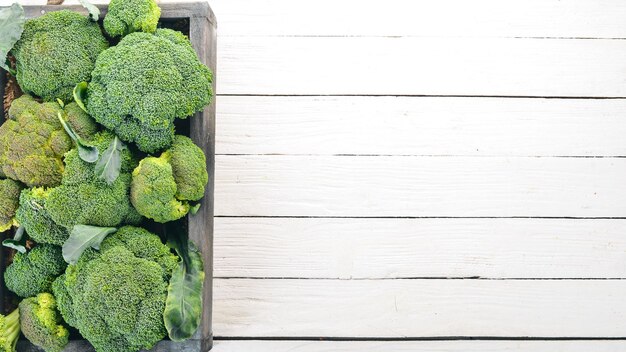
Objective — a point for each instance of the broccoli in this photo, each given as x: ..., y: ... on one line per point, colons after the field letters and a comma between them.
x: 42, y: 324
x: 9, y: 330
x: 116, y: 297
x: 33, y: 216
x: 9, y: 201
x: 85, y: 199
x: 33, y: 272
x: 162, y: 187
x: 128, y: 16
x: 140, y: 86
x: 33, y: 141
x: 57, y: 51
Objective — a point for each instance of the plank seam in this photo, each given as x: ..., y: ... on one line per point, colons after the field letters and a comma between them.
x: 420, y: 217
x: 423, y: 96
x: 406, y: 278
x: 434, y: 155
x: 427, y: 338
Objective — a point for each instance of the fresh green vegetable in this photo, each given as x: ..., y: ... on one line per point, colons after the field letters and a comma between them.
x: 162, y: 187
x: 128, y: 16
x: 41, y: 323
x: 12, y: 21
x: 110, y: 163
x: 34, y: 272
x: 9, y: 331
x: 35, y: 219
x: 140, y: 86
x: 9, y: 201
x: 85, y: 199
x: 94, y: 11
x: 86, y: 152
x: 83, y: 237
x: 33, y: 141
x: 116, y: 296
x: 183, y: 307
x: 18, y: 242
x: 55, y: 52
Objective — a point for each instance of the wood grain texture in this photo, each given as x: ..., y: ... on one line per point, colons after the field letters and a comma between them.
x: 367, y: 186
x: 405, y: 248
x: 419, y: 308
x: 421, y: 66
x: 421, y: 126
x: 461, y: 18
x: 419, y: 346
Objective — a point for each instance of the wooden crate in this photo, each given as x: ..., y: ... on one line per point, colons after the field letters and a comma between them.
x: 201, y: 28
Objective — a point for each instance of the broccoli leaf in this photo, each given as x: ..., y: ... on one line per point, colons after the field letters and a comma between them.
x: 83, y: 237
x: 110, y: 162
x: 12, y: 21
x: 86, y: 152
x: 194, y: 209
x: 183, y: 306
x: 18, y: 242
x: 80, y: 93
x: 94, y: 12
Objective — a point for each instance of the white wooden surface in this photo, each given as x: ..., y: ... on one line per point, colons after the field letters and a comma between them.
x: 421, y: 346
x: 369, y: 150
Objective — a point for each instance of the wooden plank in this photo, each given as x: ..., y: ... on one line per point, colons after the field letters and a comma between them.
x: 421, y: 126
x: 489, y: 18
x: 419, y: 308
x: 421, y: 66
x: 406, y: 248
x: 419, y: 346
x: 375, y: 186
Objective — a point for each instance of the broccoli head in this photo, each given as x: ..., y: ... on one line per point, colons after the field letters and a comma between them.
x: 128, y: 16
x: 116, y: 296
x: 34, y: 217
x: 9, y: 331
x: 33, y: 272
x: 41, y: 323
x: 140, y: 86
x: 85, y: 199
x: 162, y: 187
x: 9, y: 202
x: 33, y: 141
x: 57, y: 51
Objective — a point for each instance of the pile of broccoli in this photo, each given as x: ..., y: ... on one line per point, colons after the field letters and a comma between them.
x: 90, y: 158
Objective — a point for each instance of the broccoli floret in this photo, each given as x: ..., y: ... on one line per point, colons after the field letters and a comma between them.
x: 128, y: 16
x: 41, y: 323
x: 9, y: 331
x: 162, y: 187
x: 116, y: 297
x: 33, y: 272
x: 140, y: 86
x: 57, y: 51
x: 36, y: 220
x: 9, y: 201
x: 33, y: 141
x: 85, y: 199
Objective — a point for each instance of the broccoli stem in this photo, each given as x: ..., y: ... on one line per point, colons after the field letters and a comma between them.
x: 12, y: 323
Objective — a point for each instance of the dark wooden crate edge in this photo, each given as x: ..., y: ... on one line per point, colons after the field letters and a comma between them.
x: 203, y: 36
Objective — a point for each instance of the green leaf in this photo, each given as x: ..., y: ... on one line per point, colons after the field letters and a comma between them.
x: 86, y: 152
x: 110, y: 162
x: 12, y: 21
x: 80, y: 94
x: 194, y: 209
x: 18, y: 242
x: 83, y: 237
x: 183, y: 306
x: 94, y: 12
